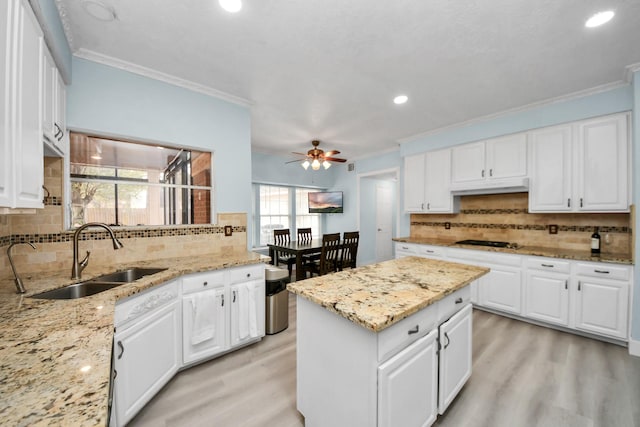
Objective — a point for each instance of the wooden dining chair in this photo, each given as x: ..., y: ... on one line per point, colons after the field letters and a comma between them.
x: 282, y: 236
x: 349, y: 251
x: 304, y: 235
x: 329, y: 256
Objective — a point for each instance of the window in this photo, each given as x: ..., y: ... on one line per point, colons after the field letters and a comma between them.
x: 276, y: 206
x: 127, y: 183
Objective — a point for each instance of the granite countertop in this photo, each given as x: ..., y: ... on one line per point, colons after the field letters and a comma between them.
x: 528, y: 250
x: 45, y: 344
x: 377, y: 296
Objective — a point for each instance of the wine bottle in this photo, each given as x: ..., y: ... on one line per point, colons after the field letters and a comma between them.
x: 595, y: 242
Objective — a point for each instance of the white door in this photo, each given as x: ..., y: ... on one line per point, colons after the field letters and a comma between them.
x: 501, y: 289
x: 602, y: 306
x: 408, y: 386
x: 467, y: 163
x: 146, y: 357
x: 507, y: 156
x: 547, y: 297
x: 414, y: 183
x: 196, y: 347
x: 455, y: 356
x: 384, y: 223
x: 550, y: 153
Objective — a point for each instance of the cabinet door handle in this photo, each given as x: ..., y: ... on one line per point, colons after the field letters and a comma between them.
x: 547, y: 265
x: 601, y: 271
x: 115, y: 374
x: 448, y: 341
x: 579, y: 285
x: 414, y: 330
x: 234, y: 296
x: 568, y: 203
x: 458, y: 300
x: 428, y: 206
x: 490, y: 172
x: 248, y: 274
x: 566, y: 284
x: 121, y: 350
x: 483, y: 177
x: 580, y: 201
x: 222, y: 300
x: 422, y: 206
x: 205, y: 283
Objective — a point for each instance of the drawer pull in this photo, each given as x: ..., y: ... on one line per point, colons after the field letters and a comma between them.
x: 414, y: 330
x: 205, y: 283
x: 429, y: 251
x: 547, y: 265
x: 248, y: 274
x: 601, y: 271
x: 405, y: 247
x: 458, y: 300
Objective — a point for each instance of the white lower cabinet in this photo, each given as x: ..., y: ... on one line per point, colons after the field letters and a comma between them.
x: 408, y: 385
x: 455, y: 356
x: 547, y: 297
x: 501, y: 289
x: 146, y: 349
x: 247, y: 311
x: 204, y: 324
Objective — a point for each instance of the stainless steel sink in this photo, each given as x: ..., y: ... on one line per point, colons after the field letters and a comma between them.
x: 99, y: 284
x: 129, y: 275
x: 77, y: 290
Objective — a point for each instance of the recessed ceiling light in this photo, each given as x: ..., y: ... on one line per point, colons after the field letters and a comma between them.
x: 599, y: 18
x: 400, y: 99
x: 232, y: 6
x: 99, y: 10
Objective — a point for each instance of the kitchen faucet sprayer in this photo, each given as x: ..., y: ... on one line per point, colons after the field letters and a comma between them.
x: 78, y: 266
x: 17, y: 279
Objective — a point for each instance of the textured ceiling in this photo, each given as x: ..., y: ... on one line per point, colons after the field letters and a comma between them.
x: 329, y: 69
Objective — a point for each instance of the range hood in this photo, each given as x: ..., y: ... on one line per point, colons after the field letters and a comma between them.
x: 493, y: 186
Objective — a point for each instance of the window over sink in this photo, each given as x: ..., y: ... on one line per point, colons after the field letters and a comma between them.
x: 130, y: 183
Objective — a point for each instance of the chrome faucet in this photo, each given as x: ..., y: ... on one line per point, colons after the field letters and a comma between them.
x: 17, y: 279
x: 78, y: 266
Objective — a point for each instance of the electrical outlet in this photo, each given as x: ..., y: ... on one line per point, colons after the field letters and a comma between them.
x: 228, y: 230
x: 447, y: 226
x: 553, y: 229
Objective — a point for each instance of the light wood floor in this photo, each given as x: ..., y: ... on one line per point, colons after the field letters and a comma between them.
x: 523, y: 375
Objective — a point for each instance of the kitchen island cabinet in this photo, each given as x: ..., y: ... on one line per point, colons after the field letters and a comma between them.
x: 367, y: 342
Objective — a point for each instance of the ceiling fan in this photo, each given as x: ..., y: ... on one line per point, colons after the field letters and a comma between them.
x: 316, y: 157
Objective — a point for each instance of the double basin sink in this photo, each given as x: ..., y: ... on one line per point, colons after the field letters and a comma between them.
x: 99, y: 284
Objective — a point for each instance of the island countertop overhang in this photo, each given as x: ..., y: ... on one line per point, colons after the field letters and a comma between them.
x: 377, y: 296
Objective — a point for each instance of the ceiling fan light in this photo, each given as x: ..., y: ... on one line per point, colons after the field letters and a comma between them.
x: 305, y: 164
x: 315, y: 165
x: 326, y: 164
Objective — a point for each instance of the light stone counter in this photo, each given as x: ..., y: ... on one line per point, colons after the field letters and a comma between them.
x: 528, y: 250
x: 47, y: 345
x: 377, y: 296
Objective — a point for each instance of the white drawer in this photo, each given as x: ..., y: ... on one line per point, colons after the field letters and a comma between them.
x: 200, y: 281
x: 603, y: 271
x: 406, y: 331
x: 453, y: 303
x: 139, y: 305
x: 406, y: 247
x: 548, y: 264
x: 245, y: 274
x: 430, y: 251
x: 467, y: 256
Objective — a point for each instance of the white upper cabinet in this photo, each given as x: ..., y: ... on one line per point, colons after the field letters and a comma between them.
x: 53, y: 106
x: 602, y: 163
x: 581, y: 167
x: 550, y: 153
x: 21, y: 147
x: 426, y: 184
x: 494, y: 159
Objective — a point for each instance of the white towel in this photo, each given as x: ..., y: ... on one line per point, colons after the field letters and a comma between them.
x: 204, y: 317
x: 243, y: 312
x: 253, y: 321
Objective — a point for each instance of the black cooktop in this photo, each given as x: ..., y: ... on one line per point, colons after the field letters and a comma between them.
x: 484, y: 243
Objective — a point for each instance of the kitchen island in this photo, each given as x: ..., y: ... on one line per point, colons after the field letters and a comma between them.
x: 367, y: 342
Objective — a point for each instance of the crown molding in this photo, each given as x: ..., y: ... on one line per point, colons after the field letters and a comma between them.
x: 630, y: 70
x: 376, y: 153
x: 158, y: 75
x: 66, y: 26
x: 527, y: 107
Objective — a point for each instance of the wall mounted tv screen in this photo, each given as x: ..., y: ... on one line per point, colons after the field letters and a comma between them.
x: 325, y: 202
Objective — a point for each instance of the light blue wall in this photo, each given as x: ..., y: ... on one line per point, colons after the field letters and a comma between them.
x: 635, y: 325
x: 269, y: 169
x: 109, y: 101
x: 51, y: 24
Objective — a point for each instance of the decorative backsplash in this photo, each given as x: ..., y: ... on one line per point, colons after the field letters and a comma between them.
x: 505, y: 217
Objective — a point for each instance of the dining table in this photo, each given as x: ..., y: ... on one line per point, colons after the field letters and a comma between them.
x: 297, y: 249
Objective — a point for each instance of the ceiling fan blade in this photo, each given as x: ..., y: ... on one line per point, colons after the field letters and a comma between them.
x: 335, y: 159
x: 299, y: 154
x: 331, y: 153
x: 294, y: 161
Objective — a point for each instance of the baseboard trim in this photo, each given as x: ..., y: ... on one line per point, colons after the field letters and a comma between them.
x: 634, y: 348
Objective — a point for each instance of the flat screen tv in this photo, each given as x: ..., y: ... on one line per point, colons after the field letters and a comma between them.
x: 325, y: 202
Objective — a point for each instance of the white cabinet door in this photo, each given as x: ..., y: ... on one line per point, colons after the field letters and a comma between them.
x: 547, y: 297
x: 455, y: 356
x: 602, y: 306
x: 468, y: 163
x: 247, y: 311
x: 437, y: 178
x: 146, y: 356
x: 27, y: 145
x: 49, y: 83
x: 195, y: 345
x: 602, y: 164
x: 60, y: 117
x: 550, y: 152
x: 408, y: 386
x: 507, y: 156
x: 6, y: 127
x: 501, y: 289
x: 414, y: 182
